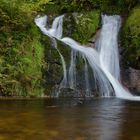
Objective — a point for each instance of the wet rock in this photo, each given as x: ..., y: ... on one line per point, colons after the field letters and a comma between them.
x: 76, y: 93
x: 67, y: 92
x: 131, y: 79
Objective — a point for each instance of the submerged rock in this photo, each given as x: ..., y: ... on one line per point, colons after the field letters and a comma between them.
x: 76, y: 93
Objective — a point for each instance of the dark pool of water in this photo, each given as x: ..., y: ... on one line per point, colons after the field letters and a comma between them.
x: 69, y: 119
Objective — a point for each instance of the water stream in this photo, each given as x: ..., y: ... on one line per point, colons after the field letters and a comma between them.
x: 72, y: 70
x: 87, y: 83
x: 54, y: 32
x: 104, y: 60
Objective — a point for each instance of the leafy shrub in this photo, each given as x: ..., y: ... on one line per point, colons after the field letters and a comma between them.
x: 86, y: 26
x: 106, y: 6
x: 21, y: 53
x: 131, y: 39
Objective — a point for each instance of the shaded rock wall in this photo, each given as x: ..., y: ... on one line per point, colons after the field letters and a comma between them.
x: 131, y: 79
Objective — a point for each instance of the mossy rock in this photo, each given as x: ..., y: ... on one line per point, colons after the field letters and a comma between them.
x: 131, y: 39
x: 86, y: 24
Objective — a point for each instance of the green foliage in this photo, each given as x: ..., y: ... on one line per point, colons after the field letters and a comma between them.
x: 66, y: 6
x: 105, y: 6
x: 115, y: 6
x: 131, y: 39
x: 86, y: 26
x: 21, y: 53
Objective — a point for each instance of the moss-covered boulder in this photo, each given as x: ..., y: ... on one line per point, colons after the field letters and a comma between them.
x: 86, y: 25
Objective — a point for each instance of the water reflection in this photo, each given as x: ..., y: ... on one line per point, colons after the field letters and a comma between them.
x: 131, y: 121
x: 96, y: 119
x: 109, y: 119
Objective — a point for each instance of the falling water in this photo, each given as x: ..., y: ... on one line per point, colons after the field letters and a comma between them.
x: 109, y: 55
x: 63, y: 83
x: 103, y: 74
x: 72, y: 70
x: 93, y: 58
x: 108, y: 46
x: 57, y: 28
x: 105, y: 61
x: 54, y: 32
x: 87, y: 84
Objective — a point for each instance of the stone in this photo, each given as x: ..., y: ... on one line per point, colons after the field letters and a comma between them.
x: 131, y: 79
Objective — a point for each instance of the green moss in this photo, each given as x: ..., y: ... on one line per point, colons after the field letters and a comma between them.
x: 22, y: 68
x: 131, y: 39
x: 86, y: 26
x: 22, y: 54
x: 105, y: 6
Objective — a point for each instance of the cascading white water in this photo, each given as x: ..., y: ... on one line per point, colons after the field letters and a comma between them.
x: 72, y: 70
x: 93, y: 58
x: 108, y: 52
x: 57, y: 29
x: 105, y: 61
x: 63, y: 83
x: 96, y: 61
x: 108, y: 44
x: 54, y: 32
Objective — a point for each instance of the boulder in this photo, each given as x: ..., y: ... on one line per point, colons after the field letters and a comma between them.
x: 131, y: 79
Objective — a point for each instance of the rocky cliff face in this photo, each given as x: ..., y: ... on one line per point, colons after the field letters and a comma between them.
x: 131, y: 79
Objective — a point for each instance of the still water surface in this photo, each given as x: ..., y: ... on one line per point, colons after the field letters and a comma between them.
x: 69, y: 119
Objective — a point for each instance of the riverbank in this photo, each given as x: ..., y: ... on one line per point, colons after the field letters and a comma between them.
x: 28, y: 63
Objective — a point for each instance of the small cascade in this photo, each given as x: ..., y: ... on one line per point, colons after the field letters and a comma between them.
x: 54, y: 32
x: 87, y: 83
x: 57, y: 29
x: 63, y: 83
x: 72, y: 70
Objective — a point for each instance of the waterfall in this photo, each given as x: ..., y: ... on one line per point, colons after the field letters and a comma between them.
x: 54, y: 32
x: 72, y: 70
x: 108, y: 46
x: 104, y: 60
x: 92, y: 56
